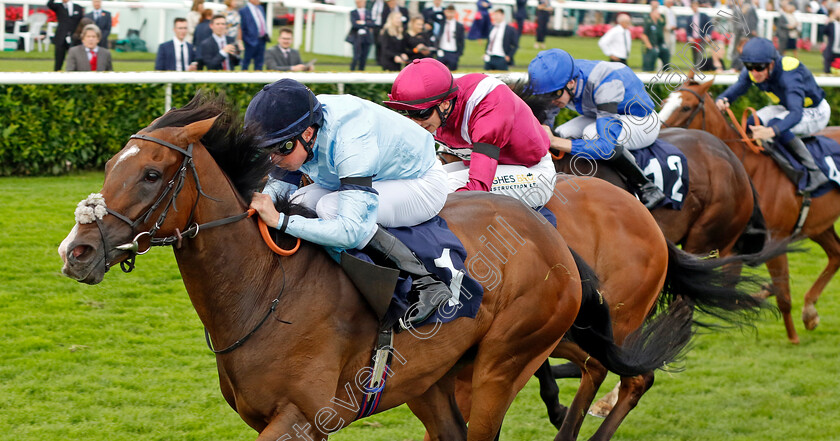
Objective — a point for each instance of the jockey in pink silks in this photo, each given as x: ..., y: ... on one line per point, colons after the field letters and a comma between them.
x: 478, y: 118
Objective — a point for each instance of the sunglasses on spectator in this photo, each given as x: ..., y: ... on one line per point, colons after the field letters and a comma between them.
x: 758, y: 67
x: 420, y: 115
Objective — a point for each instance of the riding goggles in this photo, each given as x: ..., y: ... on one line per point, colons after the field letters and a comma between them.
x: 419, y: 115
x: 286, y: 147
x: 757, y: 67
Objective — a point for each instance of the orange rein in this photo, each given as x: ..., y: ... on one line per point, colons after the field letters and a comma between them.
x: 741, y: 127
x: 268, y: 240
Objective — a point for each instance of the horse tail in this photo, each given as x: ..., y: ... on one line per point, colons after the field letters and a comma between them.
x: 659, y: 341
x: 714, y: 289
x: 755, y: 235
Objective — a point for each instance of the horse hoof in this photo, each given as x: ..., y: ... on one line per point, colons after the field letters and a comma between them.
x: 762, y: 295
x: 600, y: 410
x: 810, y: 317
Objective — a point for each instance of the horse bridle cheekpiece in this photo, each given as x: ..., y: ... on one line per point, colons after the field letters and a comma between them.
x: 93, y: 209
x: 700, y: 106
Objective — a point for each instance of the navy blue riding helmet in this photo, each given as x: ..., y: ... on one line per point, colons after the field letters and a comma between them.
x: 284, y: 109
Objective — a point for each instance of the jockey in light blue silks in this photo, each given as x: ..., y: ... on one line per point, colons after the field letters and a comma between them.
x: 799, y: 106
x: 616, y: 113
x: 368, y: 165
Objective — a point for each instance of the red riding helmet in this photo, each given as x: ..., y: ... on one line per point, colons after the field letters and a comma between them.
x: 424, y: 83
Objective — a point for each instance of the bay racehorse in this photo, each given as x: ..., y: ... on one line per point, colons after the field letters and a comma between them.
x: 691, y: 105
x: 296, y: 334
x: 639, y: 272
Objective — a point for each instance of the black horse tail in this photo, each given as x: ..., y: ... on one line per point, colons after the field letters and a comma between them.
x: 755, y: 235
x: 716, y: 290
x: 659, y: 341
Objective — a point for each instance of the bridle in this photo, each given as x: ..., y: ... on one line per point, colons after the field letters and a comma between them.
x: 700, y: 106
x: 173, y: 188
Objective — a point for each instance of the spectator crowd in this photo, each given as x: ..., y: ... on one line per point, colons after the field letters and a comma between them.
x: 238, y: 36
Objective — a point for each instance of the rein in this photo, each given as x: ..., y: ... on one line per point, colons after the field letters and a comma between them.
x: 175, y: 186
x: 739, y: 127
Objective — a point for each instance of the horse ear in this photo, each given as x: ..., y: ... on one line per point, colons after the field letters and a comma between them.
x: 196, y: 130
x: 704, y: 87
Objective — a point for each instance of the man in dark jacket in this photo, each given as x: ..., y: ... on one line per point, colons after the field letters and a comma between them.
x: 502, y: 43
x: 102, y: 19
x: 219, y: 52
x: 68, y: 15
x: 450, y: 40
x: 360, y: 35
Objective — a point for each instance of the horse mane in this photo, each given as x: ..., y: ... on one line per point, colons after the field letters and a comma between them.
x: 232, y: 146
x: 540, y: 104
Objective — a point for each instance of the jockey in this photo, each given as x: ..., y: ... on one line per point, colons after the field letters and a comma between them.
x: 616, y: 113
x: 368, y: 166
x: 799, y: 109
x: 479, y: 119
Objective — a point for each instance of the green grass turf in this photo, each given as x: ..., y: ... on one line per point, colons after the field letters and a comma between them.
x: 126, y: 359
x: 471, y: 61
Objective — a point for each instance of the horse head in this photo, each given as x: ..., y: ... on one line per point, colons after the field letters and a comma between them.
x: 684, y: 104
x: 152, y: 189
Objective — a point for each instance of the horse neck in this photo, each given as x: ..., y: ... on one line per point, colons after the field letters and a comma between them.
x: 763, y: 171
x: 227, y: 270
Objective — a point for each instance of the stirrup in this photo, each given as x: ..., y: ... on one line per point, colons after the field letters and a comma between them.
x: 650, y: 195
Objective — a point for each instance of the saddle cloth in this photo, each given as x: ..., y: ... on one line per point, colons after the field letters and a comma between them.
x: 444, y: 255
x: 666, y: 166
x: 826, y: 153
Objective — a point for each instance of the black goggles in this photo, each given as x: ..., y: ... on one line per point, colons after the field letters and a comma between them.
x: 421, y: 115
x: 284, y: 148
x: 758, y: 67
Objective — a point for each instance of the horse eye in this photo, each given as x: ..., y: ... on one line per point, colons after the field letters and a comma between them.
x: 152, y: 176
x: 686, y: 108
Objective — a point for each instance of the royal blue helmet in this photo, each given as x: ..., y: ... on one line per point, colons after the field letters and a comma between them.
x: 284, y: 109
x: 551, y: 71
x: 759, y: 50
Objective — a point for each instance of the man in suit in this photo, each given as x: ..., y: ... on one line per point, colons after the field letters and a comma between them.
x: 68, y: 15
x: 176, y: 54
x: 102, y: 19
x: 391, y: 5
x: 254, y: 34
x: 501, y: 44
x: 219, y: 52
x: 450, y: 40
x: 283, y: 57
x: 434, y: 17
x: 89, y: 57
x: 698, y: 31
x: 360, y: 35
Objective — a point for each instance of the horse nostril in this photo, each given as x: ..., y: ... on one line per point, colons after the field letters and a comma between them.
x: 82, y: 252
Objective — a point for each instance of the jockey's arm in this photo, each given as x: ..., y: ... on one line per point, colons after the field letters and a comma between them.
x: 795, y: 99
x: 358, y: 204
x: 608, y: 127
x: 737, y: 89
x: 356, y: 161
x: 490, y: 129
x: 483, y: 162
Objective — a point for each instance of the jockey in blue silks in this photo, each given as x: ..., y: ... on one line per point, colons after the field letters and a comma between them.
x: 799, y: 106
x: 368, y: 165
x: 616, y: 113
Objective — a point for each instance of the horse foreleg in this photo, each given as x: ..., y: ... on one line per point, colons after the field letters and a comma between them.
x: 290, y: 424
x: 631, y: 390
x: 439, y: 413
x: 549, y: 392
x: 592, y: 376
x: 830, y: 243
x: 780, y: 274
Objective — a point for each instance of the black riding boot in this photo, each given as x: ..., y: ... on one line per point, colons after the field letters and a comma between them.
x: 816, y: 178
x: 386, y: 248
x: 625, y: 164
